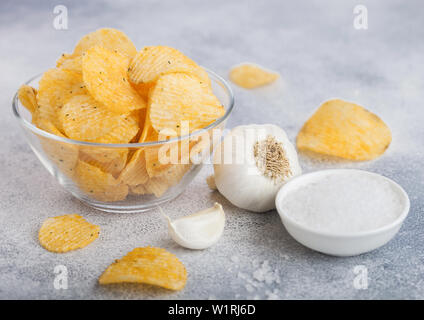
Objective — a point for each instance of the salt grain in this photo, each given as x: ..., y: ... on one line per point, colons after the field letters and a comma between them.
x: 344, y: 203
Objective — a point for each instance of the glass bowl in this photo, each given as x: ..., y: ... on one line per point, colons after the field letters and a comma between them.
x: 115, y: 177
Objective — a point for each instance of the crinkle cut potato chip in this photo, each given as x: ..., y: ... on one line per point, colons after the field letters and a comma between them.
x: 85, y: 119
x: 70, y: 63
x: 66, y: 233
x: 110, y: 160
x: 251, y: 76
x: 345, y: 130
x: 169, y: 177
x: 179, y: 97
x: 152, y: 62
x: 28, y: 97
x: 105, y: 76
x: 62, y: 154
x: 98, y: 184
x: 148, y: 265
x: 108, y: 38
x: 135, y: 172
x: 138, y: 190
x: 56, y: 87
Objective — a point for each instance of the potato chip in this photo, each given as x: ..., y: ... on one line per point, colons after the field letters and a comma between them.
x: 71, y: 64
x: 105, y: 75
x: 135, y: 172
x: 66, y: 233
x: 179, y: 97
x: 345, y: 130
x: 108, y: 38
x: 158, y: 161
x: 152, y: 62
x: 143, y: 89
x: 169, y: 177
x: 56, y: 87
x: 27, y: 95
x: 251, y: 76
x: 110, y: 160
x: 149, y: 265
x: 63, y: 58
x: 98, y: 184
x: 138, y: 190
x: 63, y: 155
x: 85, y: 119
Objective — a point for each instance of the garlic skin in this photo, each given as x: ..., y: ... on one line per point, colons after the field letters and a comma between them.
x: 199, y: 230
x: 241, y: 181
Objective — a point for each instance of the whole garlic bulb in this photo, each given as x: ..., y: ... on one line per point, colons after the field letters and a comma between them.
x: 252, y: 163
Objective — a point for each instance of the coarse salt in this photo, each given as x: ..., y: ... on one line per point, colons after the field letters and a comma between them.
x: 344, y: 203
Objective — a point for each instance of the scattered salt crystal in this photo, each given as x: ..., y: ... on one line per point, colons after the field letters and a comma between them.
x: 235, y: 259
x: 345, y: 202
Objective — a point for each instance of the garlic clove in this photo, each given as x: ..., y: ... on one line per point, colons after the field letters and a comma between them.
x: 199, y: 230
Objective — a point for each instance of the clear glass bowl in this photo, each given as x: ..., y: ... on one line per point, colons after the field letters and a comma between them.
x: 75, y: 164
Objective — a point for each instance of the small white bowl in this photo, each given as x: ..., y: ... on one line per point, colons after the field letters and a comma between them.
x: 340, y: 244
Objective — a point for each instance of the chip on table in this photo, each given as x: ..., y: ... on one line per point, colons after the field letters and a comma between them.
x: 148, y: 265
x: 66, y: 233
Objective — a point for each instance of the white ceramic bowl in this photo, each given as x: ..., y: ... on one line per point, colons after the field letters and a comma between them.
x: 340, y: 244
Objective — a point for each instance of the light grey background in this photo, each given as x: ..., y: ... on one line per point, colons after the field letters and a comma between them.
x: 319, y: 55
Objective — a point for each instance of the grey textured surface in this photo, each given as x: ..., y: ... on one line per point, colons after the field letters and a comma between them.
x: 319, y: 54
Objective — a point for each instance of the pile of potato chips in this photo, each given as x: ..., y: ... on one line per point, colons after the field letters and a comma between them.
x: 108, y: 92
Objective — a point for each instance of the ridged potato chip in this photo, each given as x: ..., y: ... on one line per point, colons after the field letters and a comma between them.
x: 169, y: 177
x: 63, y: 155
x: 143, y: 89
x: 138, y: 190
x: 251, y: 76
x: 179, y: 97
x: 66, y: 233
x: 85, y: 119
x: 28, y: 97
x: 148, y: 265
x: 152, y: 62
x: 71, y: 63
x: 110, y: 160
x: 56, y: 87
x: 98, y: 184
x: 345, y: 130
x: 135, y: 172
x: 107, y: 38
x: 105, y: 75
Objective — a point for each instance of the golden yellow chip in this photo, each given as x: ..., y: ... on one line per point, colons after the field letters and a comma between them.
x: 154, y: 266
x: 98, y: 184
x: 66, y: 233
x: 105, y: 75
x: 156, y: 162
x: 178, y: 98
x: 85, y: 119
x: 135, y: 172
x: 152, y: 62
x: 251, y: 76
x: 143, y: 89
x: 28, y: 97
x: 56, y: 87
x: 345, y: 130
x: 138, y: 190
x: 107, y: 38
x: 71, y: 63
x: 167, y: 178
x: 63, y: 155
x: 110, y: 160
